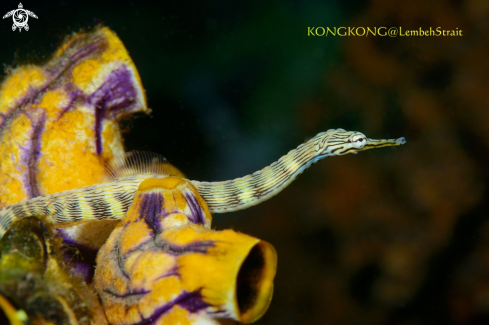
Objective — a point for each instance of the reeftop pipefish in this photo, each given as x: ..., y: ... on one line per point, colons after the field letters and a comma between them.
x: 111, y: 199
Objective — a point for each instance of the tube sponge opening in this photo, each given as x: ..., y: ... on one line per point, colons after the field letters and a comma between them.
x: 254, y: 284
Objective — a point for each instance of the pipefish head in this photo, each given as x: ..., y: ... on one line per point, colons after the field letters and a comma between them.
x: 340, y: 142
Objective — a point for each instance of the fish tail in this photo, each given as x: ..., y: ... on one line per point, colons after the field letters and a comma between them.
x: 37, y: 207
x: 7, y: 217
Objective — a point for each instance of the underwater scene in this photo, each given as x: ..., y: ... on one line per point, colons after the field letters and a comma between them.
x: 202, y: 162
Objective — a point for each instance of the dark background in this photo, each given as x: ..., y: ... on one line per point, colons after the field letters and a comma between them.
x: 389, y: 236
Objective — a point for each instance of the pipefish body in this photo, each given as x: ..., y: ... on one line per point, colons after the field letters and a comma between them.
x: 111, y: 199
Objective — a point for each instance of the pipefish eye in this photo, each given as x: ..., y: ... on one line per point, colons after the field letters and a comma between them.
x: 359, y: 141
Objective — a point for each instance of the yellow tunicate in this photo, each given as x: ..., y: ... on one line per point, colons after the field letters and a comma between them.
x: 84, y: 73
x: 15, y: 87
x: 53, y: 102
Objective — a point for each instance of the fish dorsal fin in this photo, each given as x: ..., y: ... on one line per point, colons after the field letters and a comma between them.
x: 137, y: 162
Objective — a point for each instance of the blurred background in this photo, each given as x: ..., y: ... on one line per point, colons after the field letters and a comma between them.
x: 389, y: 236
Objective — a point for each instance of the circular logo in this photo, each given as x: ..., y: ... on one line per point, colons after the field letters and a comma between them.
x: 20, y: 18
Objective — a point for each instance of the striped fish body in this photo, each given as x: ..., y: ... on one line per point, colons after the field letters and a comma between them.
x: 109, y: 200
